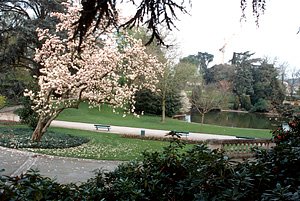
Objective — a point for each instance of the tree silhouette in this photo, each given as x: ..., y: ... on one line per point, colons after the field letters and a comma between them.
x: 150, y: 13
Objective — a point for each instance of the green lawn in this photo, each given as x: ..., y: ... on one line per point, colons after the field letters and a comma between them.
x: 106, y: 116
x: 105, y: 146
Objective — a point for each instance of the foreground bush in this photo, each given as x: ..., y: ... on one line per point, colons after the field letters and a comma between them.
x: 32, y: 186
x: 175, y: 174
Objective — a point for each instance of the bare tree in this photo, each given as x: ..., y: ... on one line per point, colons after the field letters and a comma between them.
x: 282, y: 70
x: 293, y: 81
x: 206, y: 98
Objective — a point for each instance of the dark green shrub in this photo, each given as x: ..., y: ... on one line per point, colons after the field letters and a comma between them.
x: 32, y: 186
x: 281, y: 193
x: 260, y: 106
x: 174, y: 174
x: 147, y: 102
x: 203, y: 174
x: 180, y: 174
x: 27, y: 115
x: 288, y: 111
x: 150, y: 102
x: 245, y: 102
x: 282, y: 164
x: 14, y: 137
x: 236, y: 103
x: 11, y: 87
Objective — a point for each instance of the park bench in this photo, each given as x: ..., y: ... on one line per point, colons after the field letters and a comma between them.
x: 180, y: 133
x: 97, y: 126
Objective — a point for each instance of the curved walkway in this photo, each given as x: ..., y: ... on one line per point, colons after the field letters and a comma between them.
x: 135, y: 131
x: 66, y: 170
x: 62, y: 169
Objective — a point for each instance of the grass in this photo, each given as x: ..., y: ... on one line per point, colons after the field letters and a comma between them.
x: 20, y: 137
x: 101, y: 146
x: 106, y: 116
x: 105, y: 146
x: 108, y: 146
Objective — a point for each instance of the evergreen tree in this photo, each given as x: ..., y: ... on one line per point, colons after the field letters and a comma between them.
x: 266, y: 84
x: 18, y: 41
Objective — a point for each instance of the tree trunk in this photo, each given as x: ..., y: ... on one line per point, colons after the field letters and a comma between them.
x: 163, y: 111
x: 163, y: 106
x: 40, y: 129
x: 202, y: 118
x: 43, y: 124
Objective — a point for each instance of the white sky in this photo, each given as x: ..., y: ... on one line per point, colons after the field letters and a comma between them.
x: 214, y: 22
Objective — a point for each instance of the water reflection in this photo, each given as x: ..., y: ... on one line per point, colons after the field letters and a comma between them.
x: 239, y: 119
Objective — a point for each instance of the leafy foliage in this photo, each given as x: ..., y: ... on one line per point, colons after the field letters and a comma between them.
x: 150, y: 13
x: 18, y: 40
x: 19, y: 21
x: 27, y: 114
x: 256, y: 78
x: 11, y: 86
x: 201, y: 60
x: 282, y: 164
x: 2, y: 101
x: 235, y: 102
x: 109, y: 70
x: 245, y: 102
x: 20, y: 138
x: 221, y: 72
x: 178, y: 174
x: 260, y: 106
x: 243, y: 79
x: 266, y: 84
x: 287, y: 110
x: 150, y: 102
x: 147, y: 102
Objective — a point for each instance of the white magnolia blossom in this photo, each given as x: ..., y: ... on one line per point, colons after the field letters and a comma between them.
x: 109, y: 69
x: 186, y: 105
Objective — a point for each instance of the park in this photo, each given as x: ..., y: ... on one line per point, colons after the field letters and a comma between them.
x: 96, y: 106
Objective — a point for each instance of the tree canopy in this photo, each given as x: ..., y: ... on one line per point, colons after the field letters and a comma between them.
x: 109, y: 69
x: 19, y: 20
x: 18, y: 23
x: 150, y: 13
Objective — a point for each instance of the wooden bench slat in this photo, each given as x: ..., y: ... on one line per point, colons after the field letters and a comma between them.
x: 97, y: 126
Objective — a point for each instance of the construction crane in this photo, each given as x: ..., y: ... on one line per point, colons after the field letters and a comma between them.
x: 223, y: 48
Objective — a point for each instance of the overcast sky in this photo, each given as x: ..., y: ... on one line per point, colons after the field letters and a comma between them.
x: 212, y: 23
x: 215, y: 22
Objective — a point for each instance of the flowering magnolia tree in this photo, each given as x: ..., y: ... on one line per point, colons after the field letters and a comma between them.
x: 109, y: 68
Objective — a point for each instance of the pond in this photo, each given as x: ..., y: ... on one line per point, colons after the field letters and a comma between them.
x: 239, y: 119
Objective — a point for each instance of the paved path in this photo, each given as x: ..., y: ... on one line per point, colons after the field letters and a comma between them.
x: 135, y: 131
x: 7, y: 114
x: 66, y: 170
x: 62, y: 169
